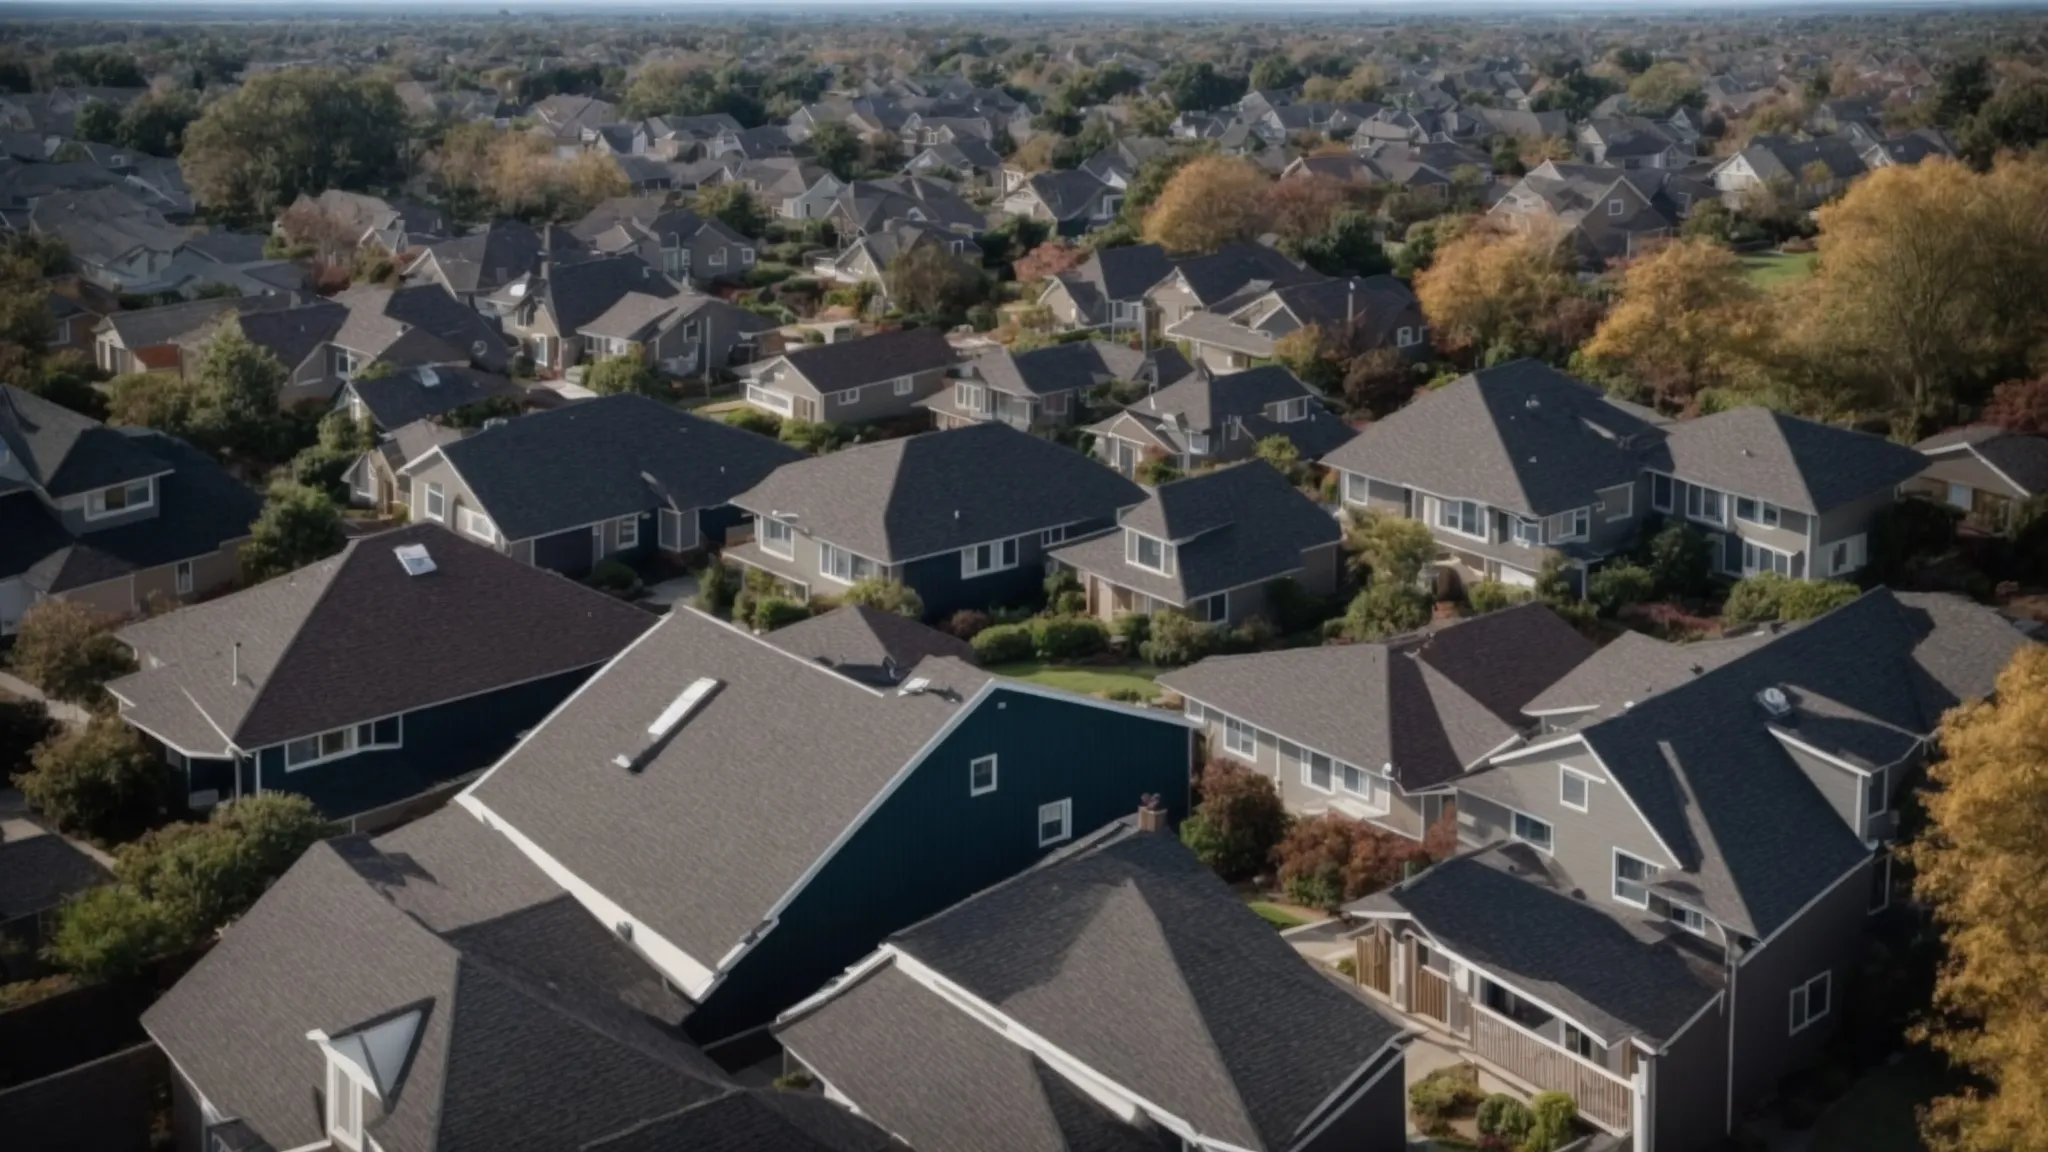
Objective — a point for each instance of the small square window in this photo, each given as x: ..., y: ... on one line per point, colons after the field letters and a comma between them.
x: 1530, y: 830
x: 1055, y: 822
x: 981, y: 776
x: 1810, y: 1001
x: 904, y: 386
x: 1573, y: 790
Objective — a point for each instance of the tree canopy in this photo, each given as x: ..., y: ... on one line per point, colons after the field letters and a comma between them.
x: 291, y: 132
x: 1497, y: 295
x: 1688, y: 318
x: 1210, y: 202
x: 298, y: 526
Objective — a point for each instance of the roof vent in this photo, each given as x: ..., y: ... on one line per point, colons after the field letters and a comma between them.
x: 1532, y: 403
x: 429, y: 378
x: 665, y: 725
x: 415, y: 558
x: 1775, y: 701
x: 916, y: 686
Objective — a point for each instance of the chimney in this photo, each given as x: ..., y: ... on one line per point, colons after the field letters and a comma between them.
x: 1350, y: 302
x: 1151, y: 813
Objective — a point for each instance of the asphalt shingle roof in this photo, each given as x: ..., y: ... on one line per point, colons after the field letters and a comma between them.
x: 2019, y: 458
x: 413, y: 394
x: 868, y: 644
x: 42, y: 871
x: 65, y: 453
x: 871, y: 359
x: 1798, y: 464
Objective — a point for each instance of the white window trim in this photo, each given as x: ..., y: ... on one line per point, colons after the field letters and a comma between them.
x: 629, y: 532
x: 1064, y: 809
x: 1301, y: 757
x: 1220, y: 617
x: 1513, y: 834
x: 1768, y: 515
x: 1563, y: 774
x: 1670, y: 492
x: 902, y: 386
x: 182, y: 577
x: 1749, y: 569
x: 340, y: 1079
x: 99, y: 497
x: 1437, y: 521
x: 1802, y: 996
x: 488, y: 533
x: 1623, y: 508
x: 773, y: 399
x: 1614, y: 878
x: 1131, y: 538
x: 1013, y: 546
x: 1057, y: 534
x: 826, y: 552
x: 1614, y: 206
x: 355, y: 746
x: 974, y: 770
x: 1233, y: 729
x: 436, y: 496
x: 761, y: 537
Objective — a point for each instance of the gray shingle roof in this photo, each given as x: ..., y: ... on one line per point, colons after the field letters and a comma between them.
x: 868, y: 644
x: 1125, y: 273
x: 1635, y: 667
x: 2019, y: 458
x: 341, y: 641
x: 925, y: 494
x: 1230, y: 271
x: 64, y: 453
x: 1799, y: 464
x: 592, y: 460
x: 1206, y: 403
x: 42, y: 871
x: 871, y: 359
x: 1082, y: 364
x: 414, y: 394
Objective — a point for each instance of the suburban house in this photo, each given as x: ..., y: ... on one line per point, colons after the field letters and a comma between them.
x: 1804, y: 171
x: 964, y: 517
x: 489, y: 259
x: 152, y: 339
x: 972, y: 162
x: 393, y: 225
x: 410, y: 659
x: 684, y: 246
x: 1214, y: 419
x: 616, y: 476
x: 300, y: 337
x: 686, y: 335
x: 1376, y: 312
x: 1036, y: 391
x: 866, y: 258
x: 1118, y: 996
x: 389, y: 402
x: 470, y: 980
x: 1073, y: 201
x: 116, y: 240
x: 114, y: 518
x: 378, y: 478
x: 1631, y: 142
x: 1983, y: 471
x: 1514, y: 464
x: 1741, y: 818
x: 1606, y: 213
x: 1209, y: 547
x: 418, y: 326
x: 1221, y: 281
x: 869, y: 206
x: 1107, y: 290
x: 40, y: 872
x: 873, y: 378
x: 910, y: 800
x: 543, y: 313
x: 1378, y: 732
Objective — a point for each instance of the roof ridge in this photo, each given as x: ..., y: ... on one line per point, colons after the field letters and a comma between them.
x: 348, y: 552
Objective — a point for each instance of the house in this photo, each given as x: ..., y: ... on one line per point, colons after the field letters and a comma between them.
x: 1206, y: 419
x: 864, y: 207
x: 687, y: 335
x: 1806, y: 172
x: 1605, y: 213
x: 113, y: 518
x: 466, y: 965
x: 962, y: 517
x: 684, y: 246
x: 1118, y: 996
x: 1036, y: 391
x: 1630, y: 142
x: 902, y: 803
x: 970, y: 161
x: 1073, y: 201
x: 393, y: 225
x: 149, y: 339
x: 1983, y: 471
x: 116, y: 240
x: 1723, y: 841
x: 1379, y: 732
x: 545, y: 312
x: 324, y: 346
x: 300, y: 337
x: 378, y: 478
x: 1207, y: 283
x: 1515, y: 464
x: 866, y: 258
x: 563, y: 116
x: 389, y: 402
x: 873, y: 378
x: 40, y: 872
x: 410, y: 659
x: 616, y: 476
x: 1376, y: 312
x: 1209, y: 547
x: 1107, y: 290
x: 489, y: 259
x: 1913, y: 147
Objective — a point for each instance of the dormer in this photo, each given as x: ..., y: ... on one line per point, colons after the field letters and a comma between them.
x: 1149, y: 552
x: 365, y: 1067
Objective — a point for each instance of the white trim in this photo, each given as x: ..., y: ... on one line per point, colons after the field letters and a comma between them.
x: 1064, y: 810
x: 1486, y: 972
x: 974, y: 768
x: 489, y: 535
x: 1826, y: 979
x: 1786, y: 738
x: 1566, y: 772
x: 1549, y: 849
x: 1013, y: 545
x: 1670, y: 858
x: 431, y: 494
x: 1614, y: 878
x: 1327, y: 1107
x: 623, y: 523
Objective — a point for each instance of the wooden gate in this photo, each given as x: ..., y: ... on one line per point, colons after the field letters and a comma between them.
x: 1433, y: 996
x: 1373, y: 955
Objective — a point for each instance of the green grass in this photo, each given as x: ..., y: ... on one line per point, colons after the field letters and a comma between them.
x: 1278, y: 917
x: 1772, y: 269
x: 1086, y: 679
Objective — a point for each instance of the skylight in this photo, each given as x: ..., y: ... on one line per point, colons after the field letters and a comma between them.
x: 415, y: 559
x: 682, y: 707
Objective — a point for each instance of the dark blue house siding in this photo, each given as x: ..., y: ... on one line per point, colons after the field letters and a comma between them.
x: 932, y: 844
x: 564, y: 552
x: 713, y: 523
x: 441, y: 743
x: 939, y: 583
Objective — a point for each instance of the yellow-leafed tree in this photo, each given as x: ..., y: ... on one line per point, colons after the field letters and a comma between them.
x: 1688, y: 318
x: 1212, y: 201
x: 1498, y: 294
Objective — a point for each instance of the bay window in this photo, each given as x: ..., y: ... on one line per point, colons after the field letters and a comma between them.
x: 1461, y: 516
x: 839, y: 564
x: 778, y: 537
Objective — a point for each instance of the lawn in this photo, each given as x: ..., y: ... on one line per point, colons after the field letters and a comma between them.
x: 1087, y: 679
x: 1280, y: 916
x: 1772, y: 269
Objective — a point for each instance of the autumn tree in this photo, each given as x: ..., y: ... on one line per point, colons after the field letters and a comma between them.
x: 1237, y: 821
x: 1303, y: 207
x: 1688, y: 318
x: 1663, y: 88
x: 1978, y: 866
x: 2019, y: 406
x: 68, y: 650
x: 928, y: 279
x: 294, y: 131
x: 1048, y: 259
x: 1495, y: 296
x: 1210, y: 202
x: 485, y: 172
x: 307, y: 228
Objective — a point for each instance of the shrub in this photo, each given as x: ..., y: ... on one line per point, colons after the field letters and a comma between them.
x: 1502, y: 1115
x: 1238, y: 822
x: 1385, y: 608
x: 1326, y: 860
x: 23, y: 725
x: 1255, y: 633
x: 887, y: 595
x: 1068, y: 637
x: 1680, y: 562
x: 755, y: 586
x: 755, y: 420
x: 1003, y: 644
x: 613, y: 576
x: 1292, y: 608
x: 1153, y: 473
x: 1807, y: 599
x: 98, y: 781
x: 816, y: 436
x: 1619, y: 585
x: 1491, y: 596
x: 1553, y: 1113
x: 1122, y: 695
x: 1443, y: 1094
x: 199, y: 876
x: 1908, y: 532
x: 69, y: 651
x: 716, y: 588
x: 775, y: 612
x: 967, y: 623
x: 1176, y: 639
x: 109, y: 933
x: 622, y: 374
x: 795, y: 1082
x: 1133, y: 628
x: 1393, y: 549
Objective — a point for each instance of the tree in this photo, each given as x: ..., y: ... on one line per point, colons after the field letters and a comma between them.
x: 98, y: 781
x: 928, y: 279
x: 838, y: 147
x: 156, y: 123
x: 887, y: 595
x: 201, y: 876
x: 1663, y: 88
x: 108, y: 933
x: 23, y: 725
x: 1048, y: 259
x: 68, y: 650
x: 734, y: 206
x: 1275, y: 71
x: 66, y: 381
x: 1977, y: 866
x: 2014, y: 120
x: 1688, y: 318
x: 1304, y: 207
x: 1279, y: 452
x: 164, y: 401
x: 294, y: 131
x: 1378, y: 383
x: 235, y: 407
x: 1349, y: 246
x: 1965, y: 87
x: 1199, y: 87
x: 1328, y: 859
x: 2019, y: 406
x: 1210, y: 202
x: 1385, y: 609
x: 1497, y: 296
x: 1394, y: 549
x: 99, y: 122
x: 298, y: 526
x: 1239, y: 819
x: 625, y: 373
x: 679, y: 90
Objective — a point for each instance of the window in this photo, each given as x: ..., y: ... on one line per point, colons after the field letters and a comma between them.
x: 120, y: 498
x: 845, y: 567
x: 1573, y: 790
x: 995, y: 556
x: 1288, y: 411
x: 971, y: 398
x: 1527, y: 533
x: 1211, y: 609
x: 1056, y: 404
x: 1460, y: 516
x: 717, y: 258
x: 1193, y: 711
x: 1810, y: 1001
x: 437, y: 503
x: 183, y: 575
x: 1148, y: 552
x: 1756, y: 511
x: 1055, y: 822
x: 311, y: 750
x: 1703, y: 504
x: 1363, y: 785
x: 1357, y: 489
x: 1573, y: 525
x: 1404, y: 337
x: 746, y: 257
x: 1240, y: 738
x: 902, y: 386
x: 1632, y: 879
x: 1660, y: 492
x: 1615, y: 206
x: 1874, y: 797
x: 1052, y: 536
x: 1530, y: 830
x: 1621, y: 505
x: 1583, y: 1046
x: 770, y: 399
x: 629, y: 531
x: 1846, y: 555
x: 1687, y: 918
x: 850, y: 396
x: 1959, y: 496
x: 1316, y: 770
x: 1758, y: 559
x: 344, y: 1106
x: 981, y: 776
x: 1880, y: 884
x: 778, y: 537
x: 668, y: 531
x: 477, y: 524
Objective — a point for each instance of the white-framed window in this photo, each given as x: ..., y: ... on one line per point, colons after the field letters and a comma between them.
x: 1464, y: 517
x: 1055, y: 822
x: 1240, y: 738
x: 182, y: 574
x: 981, y: 776
x: 1847, y: 555
x: 1357, y: 489
x: 1530, y: 830
x: 120, y: 498
x: 1404, y: 337
x: 971, y: 398
x: 1615, y: 206
x: 344, y: 1106
x: 902, y: 386
x: 476, y: 524
x: 771, y: 399
x: 1576, y: 524
x: 1194, y: 711
x: 746, y: 257
x: 1148, y: 552
x: 837, y: 563
x: 1660, y: 492
x: 1703, y: 504
x: 1632, y: 879
x: 339, y: 742
x: 1527, y: 533
x: 1288, y: 411
x: 848, y: 397
x: 1574, y: 790
x: 994, y: 556
x: 1960, y: 496
x: 1757, y: 559
x: 363, y: 482
x: 1054, y: 535
x: 1316, y: 769
x: 345, y: 363
x: 1211, y: 609
x: 1364, y: 785
x: 1583, y: 1046
x: 668, y: 530
x: 1756, y: 511
x: 437, y: 502
x: 1810, y: 1001
x: 1622, y: 505
x: 717, y: 258
x: 1690, y: 919
x: 629, y: 531
x: 778, y: 537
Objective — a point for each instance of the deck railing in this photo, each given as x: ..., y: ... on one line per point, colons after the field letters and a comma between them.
x: 1603, y: 1098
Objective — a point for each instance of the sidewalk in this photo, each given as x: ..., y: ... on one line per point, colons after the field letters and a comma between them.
x: 59, y: 710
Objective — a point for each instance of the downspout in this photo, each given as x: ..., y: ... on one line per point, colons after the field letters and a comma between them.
x: 1734, y: 972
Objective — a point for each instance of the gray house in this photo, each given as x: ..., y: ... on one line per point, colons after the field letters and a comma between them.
x: 686, y: 335
x: 1985, y: 472
x: 1202, y: 419
x: 1514, y: 464
x: 1721, y: 842
x: 1116, y: 997
x: 873, y: 378
x: 545, y: 312
x: 964, y: 517
x: 1039, y: 390
x: 1108, y: 290
x: 684, y: 246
